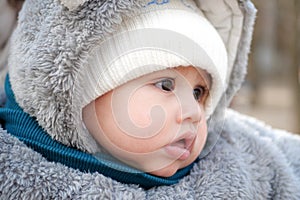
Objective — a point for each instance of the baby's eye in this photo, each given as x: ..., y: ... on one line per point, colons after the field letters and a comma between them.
x: 165, y: 84
x: 199, y: 92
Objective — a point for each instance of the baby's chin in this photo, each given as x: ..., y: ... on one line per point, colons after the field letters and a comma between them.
x: 167, y: 171
x: 164, y: 172
x: 171, y: 169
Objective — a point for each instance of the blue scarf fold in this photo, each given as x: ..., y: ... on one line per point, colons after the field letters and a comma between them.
x: 26, y: 129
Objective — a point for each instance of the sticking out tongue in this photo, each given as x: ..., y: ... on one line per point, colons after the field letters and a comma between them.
x: 177, y: 150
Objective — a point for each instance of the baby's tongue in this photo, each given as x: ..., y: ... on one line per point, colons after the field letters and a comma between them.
x: 179, y: 144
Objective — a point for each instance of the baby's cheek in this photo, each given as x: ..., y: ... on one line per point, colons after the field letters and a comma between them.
x: 139, y: 113
x: 147, y: 115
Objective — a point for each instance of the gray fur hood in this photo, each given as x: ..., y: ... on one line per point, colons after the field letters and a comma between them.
x: 243, y: 158
x: 51, y: 46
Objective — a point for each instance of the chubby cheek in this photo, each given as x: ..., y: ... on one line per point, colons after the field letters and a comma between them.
x: 146, y: 115
x: 139, y: 111
x: 140, y: 126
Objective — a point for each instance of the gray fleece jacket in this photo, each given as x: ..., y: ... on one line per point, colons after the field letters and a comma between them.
x: 243, y: 158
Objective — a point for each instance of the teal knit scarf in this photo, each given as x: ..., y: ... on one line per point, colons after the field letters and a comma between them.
x: 26, y: 129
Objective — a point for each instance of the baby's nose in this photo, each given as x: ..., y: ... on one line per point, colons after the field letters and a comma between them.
x: 190, y: 109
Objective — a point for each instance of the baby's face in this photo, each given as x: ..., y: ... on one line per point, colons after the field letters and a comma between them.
x: 155, y: 123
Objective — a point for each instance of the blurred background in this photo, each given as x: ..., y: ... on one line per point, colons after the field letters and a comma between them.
x: 271, y: 91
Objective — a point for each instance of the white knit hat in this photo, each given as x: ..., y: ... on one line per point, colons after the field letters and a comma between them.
x: 163, y: 35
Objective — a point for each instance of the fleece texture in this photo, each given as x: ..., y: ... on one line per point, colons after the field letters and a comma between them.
x: 50, y: 52
x: 243, y: 158
x: 249, y: 161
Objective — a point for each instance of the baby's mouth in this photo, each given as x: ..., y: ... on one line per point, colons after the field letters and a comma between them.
x: 181, y: 148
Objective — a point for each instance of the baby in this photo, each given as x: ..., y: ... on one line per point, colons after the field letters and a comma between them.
x: 165, y: 80
x: 106, y: 103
